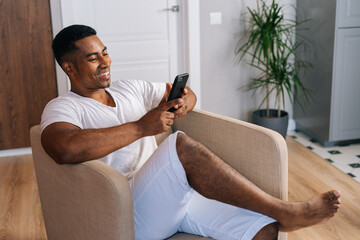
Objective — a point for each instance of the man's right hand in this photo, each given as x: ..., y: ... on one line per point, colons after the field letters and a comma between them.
x: 158, y: 120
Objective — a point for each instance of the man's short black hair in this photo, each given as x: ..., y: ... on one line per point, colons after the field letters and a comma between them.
x: 64, y: 42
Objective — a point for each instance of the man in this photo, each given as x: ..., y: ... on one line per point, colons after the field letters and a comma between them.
x: 178, y: 186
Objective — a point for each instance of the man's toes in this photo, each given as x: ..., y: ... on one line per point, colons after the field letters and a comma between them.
x: 337, y: 201
x: 334, y: 194
x: 336, y: 206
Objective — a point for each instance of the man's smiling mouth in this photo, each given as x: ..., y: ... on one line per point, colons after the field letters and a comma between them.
x: 105, y: 75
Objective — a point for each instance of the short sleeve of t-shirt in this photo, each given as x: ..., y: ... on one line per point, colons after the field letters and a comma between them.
x: 61, y: 109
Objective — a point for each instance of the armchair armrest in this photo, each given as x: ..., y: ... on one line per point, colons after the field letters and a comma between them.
x: 89, y: 200
x: 258, y: 153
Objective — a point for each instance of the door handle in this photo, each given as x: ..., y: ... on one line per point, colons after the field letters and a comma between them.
x: 174, y: 8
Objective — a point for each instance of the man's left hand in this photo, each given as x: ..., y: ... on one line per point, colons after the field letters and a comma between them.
x: 189, y: 100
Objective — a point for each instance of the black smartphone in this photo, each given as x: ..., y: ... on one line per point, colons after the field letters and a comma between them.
x: 178, y: 88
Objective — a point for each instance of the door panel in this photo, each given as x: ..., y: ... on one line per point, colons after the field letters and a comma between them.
x: 27, y: 80
x: 349, y: 13
x: 141, y: 35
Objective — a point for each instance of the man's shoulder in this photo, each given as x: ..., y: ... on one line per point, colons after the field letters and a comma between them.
x: 65, y: 101
x: 66, y: 97
x: 124, y: 83
x: 133, y: 83
x: 144, y: 91
x: 127, y: 86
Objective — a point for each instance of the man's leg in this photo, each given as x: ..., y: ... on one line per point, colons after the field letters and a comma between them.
x: 211, y: 218
x: 269, y: 232
x: 161, y: 193
x: 214, y: 179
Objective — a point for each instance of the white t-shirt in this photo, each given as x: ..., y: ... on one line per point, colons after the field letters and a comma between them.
x: 133, y: 99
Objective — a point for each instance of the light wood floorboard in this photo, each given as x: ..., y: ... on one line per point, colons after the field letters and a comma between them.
x: 21, y: 216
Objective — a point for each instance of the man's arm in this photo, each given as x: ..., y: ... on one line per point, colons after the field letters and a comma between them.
x: 67, y: 143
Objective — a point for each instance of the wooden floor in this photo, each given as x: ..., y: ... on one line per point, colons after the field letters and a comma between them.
x: 21, y: 217
x: 308, y: 175
x: 20, y: 210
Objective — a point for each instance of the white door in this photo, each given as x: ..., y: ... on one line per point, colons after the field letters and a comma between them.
x: 143, y: 36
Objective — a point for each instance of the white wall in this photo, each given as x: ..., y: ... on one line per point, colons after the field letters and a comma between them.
x: 221, y: 78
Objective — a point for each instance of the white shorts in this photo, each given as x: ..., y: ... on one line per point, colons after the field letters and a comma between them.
x: 164, y: 203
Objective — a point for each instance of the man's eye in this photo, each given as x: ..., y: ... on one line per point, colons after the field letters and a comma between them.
x: 105, y: 54
x: 92, y: 59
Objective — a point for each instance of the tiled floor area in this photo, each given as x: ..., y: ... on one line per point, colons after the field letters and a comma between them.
x: 346, y: 158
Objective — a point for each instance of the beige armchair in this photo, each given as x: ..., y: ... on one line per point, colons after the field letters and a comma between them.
x: 93, y: 201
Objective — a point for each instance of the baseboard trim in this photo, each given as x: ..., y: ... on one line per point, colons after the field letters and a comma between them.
x: 292, y: 125
x: 15, y: 152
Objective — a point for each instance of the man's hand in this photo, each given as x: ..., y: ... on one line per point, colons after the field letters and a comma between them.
x: 159, y: 119
x: 188, y: 104
x: 189, y: 100
x: 182, y: 108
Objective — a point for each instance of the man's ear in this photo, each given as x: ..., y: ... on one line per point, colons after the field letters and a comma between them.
x: 68, y: 68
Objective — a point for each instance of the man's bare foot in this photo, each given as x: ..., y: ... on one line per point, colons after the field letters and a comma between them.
x: 314, y: 211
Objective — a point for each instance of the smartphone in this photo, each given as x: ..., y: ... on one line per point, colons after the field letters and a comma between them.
x: 178, y: 87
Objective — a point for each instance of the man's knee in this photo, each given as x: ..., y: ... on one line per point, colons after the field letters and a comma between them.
x: 269, y: 232
x: 187, y: 149
x: 185, y: 145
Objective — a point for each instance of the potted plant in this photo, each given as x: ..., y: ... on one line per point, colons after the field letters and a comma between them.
x: 268, y: 39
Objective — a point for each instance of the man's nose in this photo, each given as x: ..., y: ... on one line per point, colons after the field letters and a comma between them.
x: 105, y: 61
